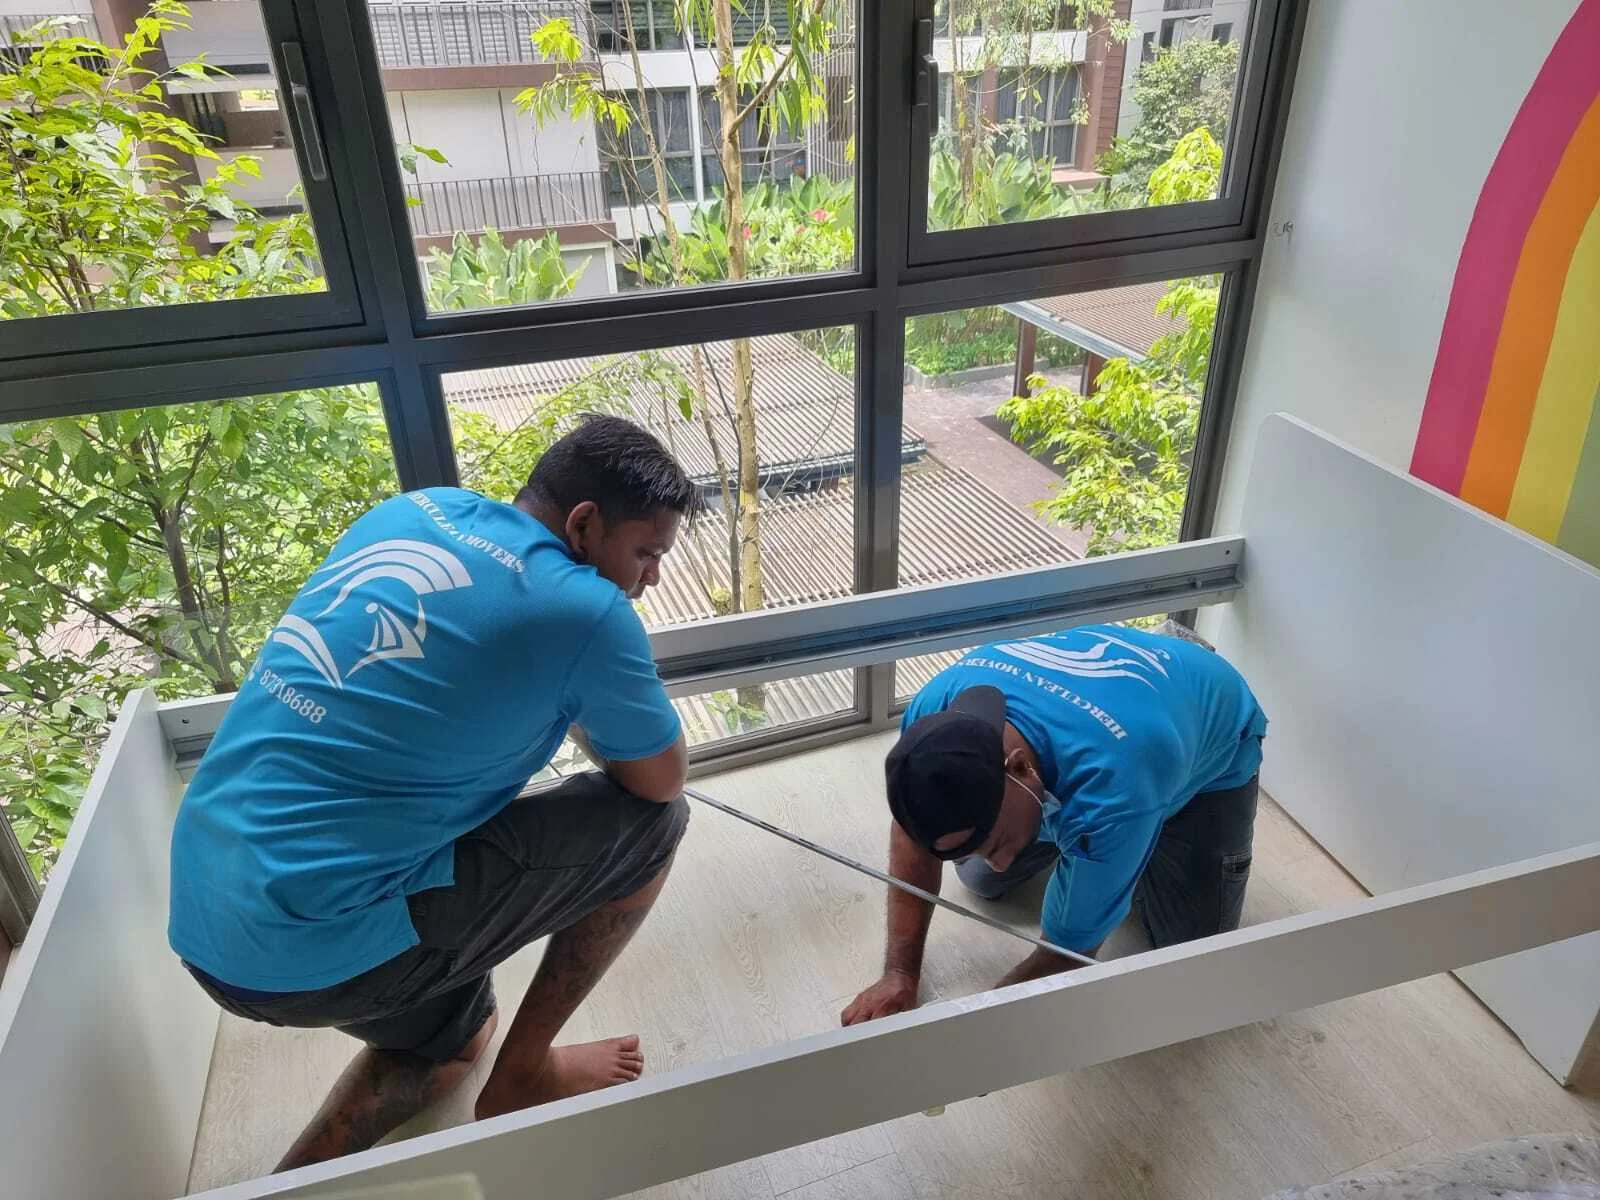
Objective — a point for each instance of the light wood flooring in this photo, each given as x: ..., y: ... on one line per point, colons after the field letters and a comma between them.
x: 755, y: 941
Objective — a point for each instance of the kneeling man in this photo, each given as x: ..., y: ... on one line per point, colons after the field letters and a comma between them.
x: 1124, y: 762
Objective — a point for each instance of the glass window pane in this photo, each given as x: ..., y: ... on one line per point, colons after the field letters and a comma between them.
x: 723, y: 716
x: 541, y: 140
x: 156, y: 547
x: 1051, y: 429
x: 778, y: 527
x: 183, y: 190
x: 1103, y: 103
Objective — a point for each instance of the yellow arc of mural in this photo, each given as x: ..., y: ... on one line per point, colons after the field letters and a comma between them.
x: 1566, y: 399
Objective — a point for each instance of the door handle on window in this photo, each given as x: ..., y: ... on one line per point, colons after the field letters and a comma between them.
x: 304, y: 112
x: 927, y: 75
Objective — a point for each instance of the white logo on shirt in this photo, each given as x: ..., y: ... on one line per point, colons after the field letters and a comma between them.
x: 1092, y: 663
x: 422, y: 567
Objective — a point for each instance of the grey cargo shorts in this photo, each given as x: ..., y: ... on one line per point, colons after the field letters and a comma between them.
x: 541, y: 864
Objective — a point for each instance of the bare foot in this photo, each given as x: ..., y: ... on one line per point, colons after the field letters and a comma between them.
x: 566, y: 1071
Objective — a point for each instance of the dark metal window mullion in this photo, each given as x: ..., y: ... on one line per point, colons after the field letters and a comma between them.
x: 413, y: 404
x: 885, y: 205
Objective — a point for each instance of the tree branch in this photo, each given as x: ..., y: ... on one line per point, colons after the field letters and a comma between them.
x: 194, y: 466
x: 100, y: 614
x: 133, y: 534
x: 764, y: 92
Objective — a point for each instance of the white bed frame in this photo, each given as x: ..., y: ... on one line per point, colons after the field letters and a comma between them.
x: 105, y: 1043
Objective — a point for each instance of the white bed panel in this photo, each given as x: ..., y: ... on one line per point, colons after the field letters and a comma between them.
x: 104, y: 1041
x: 668, y: 1126
x: 1432, y: 678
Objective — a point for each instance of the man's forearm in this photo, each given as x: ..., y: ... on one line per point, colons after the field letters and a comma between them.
x: 1037, y: 965
x: 909, y: 917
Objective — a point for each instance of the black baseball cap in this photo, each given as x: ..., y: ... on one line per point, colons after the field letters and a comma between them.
x: 948, y: 772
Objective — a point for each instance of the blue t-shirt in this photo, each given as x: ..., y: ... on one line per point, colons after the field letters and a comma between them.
x: 422, y: 675
x: 1128, y: 727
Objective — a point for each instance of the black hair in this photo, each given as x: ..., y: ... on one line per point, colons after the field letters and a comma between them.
x: 621, y: 467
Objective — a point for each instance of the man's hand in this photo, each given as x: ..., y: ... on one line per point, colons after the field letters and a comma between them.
x: 895, y: 992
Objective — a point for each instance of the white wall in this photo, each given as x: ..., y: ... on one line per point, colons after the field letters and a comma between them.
x: 484, y: 136
x: 599, y: 268
x: 1431, y: 711
x: 1398, y: 112
x: 464, y: 125
x: 30, y: 8
x: 559, y: 145
x: 224, y: 33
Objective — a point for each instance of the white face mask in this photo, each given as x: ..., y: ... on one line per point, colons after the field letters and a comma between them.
x: 1047, y: 803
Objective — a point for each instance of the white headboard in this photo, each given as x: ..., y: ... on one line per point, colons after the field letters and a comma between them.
x: 1432, y: 679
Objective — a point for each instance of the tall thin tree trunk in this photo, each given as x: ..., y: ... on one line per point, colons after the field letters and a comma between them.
x: 752, y: 584
x: 167, y: 520
x: 752, y: 591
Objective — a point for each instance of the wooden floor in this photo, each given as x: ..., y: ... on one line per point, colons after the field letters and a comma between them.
x: 755, y: 941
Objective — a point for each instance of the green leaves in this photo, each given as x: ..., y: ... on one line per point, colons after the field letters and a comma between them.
x: 68, y: 436
x: 485, y: 272
x: 1181, y: 90
x: 558, y: 41
x: 157, y: 548
x: 409, y: 152
x: 115, y: 543
x: 1004, y: 188
x: 99, y: 211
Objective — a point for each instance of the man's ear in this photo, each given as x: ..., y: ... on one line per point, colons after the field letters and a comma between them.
x: 1016, y: 759
x: 583, y: 528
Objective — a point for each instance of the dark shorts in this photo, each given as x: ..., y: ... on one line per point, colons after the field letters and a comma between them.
x: 1194, y: 883
x: 541, y: 864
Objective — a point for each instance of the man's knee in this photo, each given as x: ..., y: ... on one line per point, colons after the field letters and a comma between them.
x: 982, y: 880
x: 474, y: 1049
x: 660, y: 844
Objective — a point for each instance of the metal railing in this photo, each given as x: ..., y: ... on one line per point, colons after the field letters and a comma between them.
x: 15, y: 50
x: 442, y: 33
x: 518, y: 202
x: 11, y: 24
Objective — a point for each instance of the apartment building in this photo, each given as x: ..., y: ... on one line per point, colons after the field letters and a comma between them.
x: 1163, y: 24
x: 453, y: 69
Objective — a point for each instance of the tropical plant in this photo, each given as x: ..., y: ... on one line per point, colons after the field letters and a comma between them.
x: 1126, y: 446
x: 1006, y: 187
x: 483, y: 271
x: 99, y: 207
x: 763, y: 83
x: 1181, y: 89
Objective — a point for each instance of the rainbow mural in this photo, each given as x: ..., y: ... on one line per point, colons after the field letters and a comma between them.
x: 1512, y: 420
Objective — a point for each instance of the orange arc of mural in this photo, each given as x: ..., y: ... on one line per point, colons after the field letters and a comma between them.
x: 1535, y: 300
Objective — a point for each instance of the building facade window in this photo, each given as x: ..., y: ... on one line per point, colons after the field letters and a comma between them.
x: 630, y: 171
x: 655, y: 26
x: 1042, y: 104
x: 770, y: 155
x: 755, y: 15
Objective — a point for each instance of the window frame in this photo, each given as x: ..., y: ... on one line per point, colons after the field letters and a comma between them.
x: 339, y: 307
x: 389, y: 336
x: 1270, y: 33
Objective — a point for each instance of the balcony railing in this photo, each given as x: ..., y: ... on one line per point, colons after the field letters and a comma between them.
x: 65, y: 25
x: 490, y: 33
x: 15, y: 50
x: 520, y: 202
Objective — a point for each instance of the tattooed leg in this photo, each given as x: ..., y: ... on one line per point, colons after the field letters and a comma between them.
x: 379, y: 1091
x: 530, y: 1070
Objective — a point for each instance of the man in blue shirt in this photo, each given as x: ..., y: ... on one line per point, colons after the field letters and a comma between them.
x: 1126, y: 761
x: 352, y: 850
